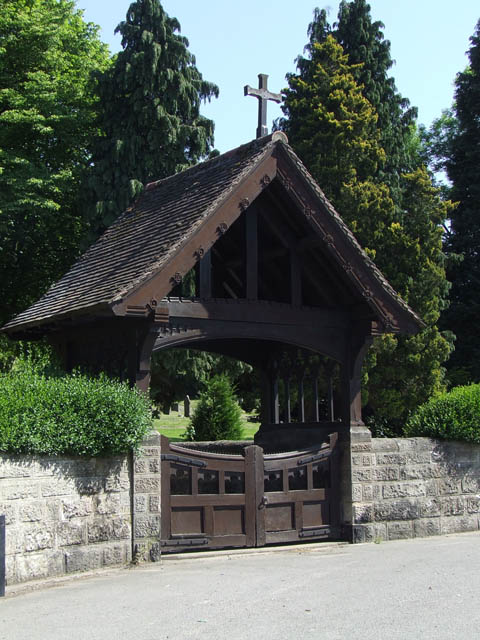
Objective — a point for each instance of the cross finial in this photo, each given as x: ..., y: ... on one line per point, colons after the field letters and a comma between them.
x: 263, y: 95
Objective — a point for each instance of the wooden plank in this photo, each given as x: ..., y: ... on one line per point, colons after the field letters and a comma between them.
x: 251, y: 221
x: 295, y: 279
x: 166, y: 511
x: 206, y: 275
x: 250, y: 496
x: 259, y: 495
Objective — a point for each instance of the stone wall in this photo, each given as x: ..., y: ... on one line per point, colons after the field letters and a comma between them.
x: 414, y: 487
x: 64, y: 514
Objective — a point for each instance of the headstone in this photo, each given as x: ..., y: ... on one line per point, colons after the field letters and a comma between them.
x: 186, y: 407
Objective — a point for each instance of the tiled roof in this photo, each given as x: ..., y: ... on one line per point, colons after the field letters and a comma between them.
x: 150, y: 232
x: 145, y: 235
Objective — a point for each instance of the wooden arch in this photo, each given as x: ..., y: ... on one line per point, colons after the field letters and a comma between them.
x: 242, y: 254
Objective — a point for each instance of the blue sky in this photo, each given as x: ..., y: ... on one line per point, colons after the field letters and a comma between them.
x: 235, y: 41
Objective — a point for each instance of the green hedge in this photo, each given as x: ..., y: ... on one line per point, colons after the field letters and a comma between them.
x: 69, y: 414
x: 454, y: 415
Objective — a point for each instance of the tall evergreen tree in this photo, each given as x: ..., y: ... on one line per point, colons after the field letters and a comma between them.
x: 335, y: 129
x: 151, y: 119
x: 461, y: 146
x: 48, y: 109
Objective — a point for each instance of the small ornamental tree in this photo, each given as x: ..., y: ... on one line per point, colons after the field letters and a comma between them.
x: 218, y: 415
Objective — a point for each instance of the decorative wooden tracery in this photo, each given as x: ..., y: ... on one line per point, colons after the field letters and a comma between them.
x: 241, y: 255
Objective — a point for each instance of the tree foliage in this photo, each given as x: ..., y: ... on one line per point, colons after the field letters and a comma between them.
x: 48, y: 109
x: 395, y: 214
x: 217, y: 416
x: 151, y: 122
x: 457, y: 142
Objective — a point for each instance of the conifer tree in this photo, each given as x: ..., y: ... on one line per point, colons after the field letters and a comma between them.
x: 151, y: 121
x: 461, y: 145
x: 334, y: 129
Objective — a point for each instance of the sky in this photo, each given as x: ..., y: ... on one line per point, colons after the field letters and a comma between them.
x: 235, y: 41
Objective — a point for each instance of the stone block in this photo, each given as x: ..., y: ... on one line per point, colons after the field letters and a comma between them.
x: 76, y: 507
x: 115, y: 554
x: 390, y: 458
x: 69, y: 533
x: 9, y: 510
x: 147, y: 526
x: 396, y: 510
x: 140, y: 503
x: 385, y: 445
x: 154, y: 465
x: 473, y: 504
x: 17, y: 467
x: 154, y: 504
x: 58, y: 487
x: 140, y: 465
x: 89, y: 486
x: 367, y: 492
x: 19, y: 490
x: 375, y: 532
x: 356, y: 492
x: 108, y: 529
x: 399, y: 530
x: 430, y: 507
x: 404, y: 489
x: 448, y: 486
x: 358, y: 534
x: 427, y: 527
x: 31, y: 512
x: 53, y: 509
x: 37, y: 537
x: 147, y: 484
x: 457, y: 524
x: 148, y: 452
x: 362, y: 513
x: 56, y: 562
x: 431, y: 487
x: 383, y: 474
x: 108, y: 504
x: 31, y: 566
x: 361, y: 475
x: 453, y: 506
x: 361, y: 446
x: 471, y: 482
x: 83, y: 558
x: 117, y: 483
x: 420, y: 472
x: 151, y: 440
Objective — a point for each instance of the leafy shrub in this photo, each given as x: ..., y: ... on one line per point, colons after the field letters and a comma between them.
x: 449, y: 416
x: 69, y: 414
x: 217, y: 416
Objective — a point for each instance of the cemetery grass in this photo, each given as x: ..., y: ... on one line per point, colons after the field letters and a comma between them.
x: 174, y: 424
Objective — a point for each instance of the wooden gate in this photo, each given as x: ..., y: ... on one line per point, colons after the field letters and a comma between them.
x: 212, y: 500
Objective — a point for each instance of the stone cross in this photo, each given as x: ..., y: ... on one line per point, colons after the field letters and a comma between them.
x: 263, y: 95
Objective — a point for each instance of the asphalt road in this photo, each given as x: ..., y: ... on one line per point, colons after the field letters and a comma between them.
x: 423, y: 588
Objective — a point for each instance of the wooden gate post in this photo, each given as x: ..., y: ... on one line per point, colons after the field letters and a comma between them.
x: 254, y: 505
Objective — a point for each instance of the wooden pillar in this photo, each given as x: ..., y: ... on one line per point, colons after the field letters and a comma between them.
x: 275, y: 406
x: 288, y: 406
x: 316, y: 415
x: 301, y: 401
x: 352, y: 381
x: 251, y: 217
x: 205, y: 266
x: 331, y: 407
x: 145, y: 346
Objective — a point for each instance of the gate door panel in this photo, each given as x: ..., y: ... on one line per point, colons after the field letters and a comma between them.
x: 300, y: 498
x: 211, y: 500
x: 208, y: 500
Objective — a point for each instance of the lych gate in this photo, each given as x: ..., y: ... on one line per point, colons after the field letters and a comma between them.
x: 241, y: 255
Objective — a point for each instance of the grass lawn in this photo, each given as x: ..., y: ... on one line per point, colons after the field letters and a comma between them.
x: 174, y: 424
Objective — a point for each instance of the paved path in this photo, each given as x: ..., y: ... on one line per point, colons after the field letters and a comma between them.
x: 424, y: 588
